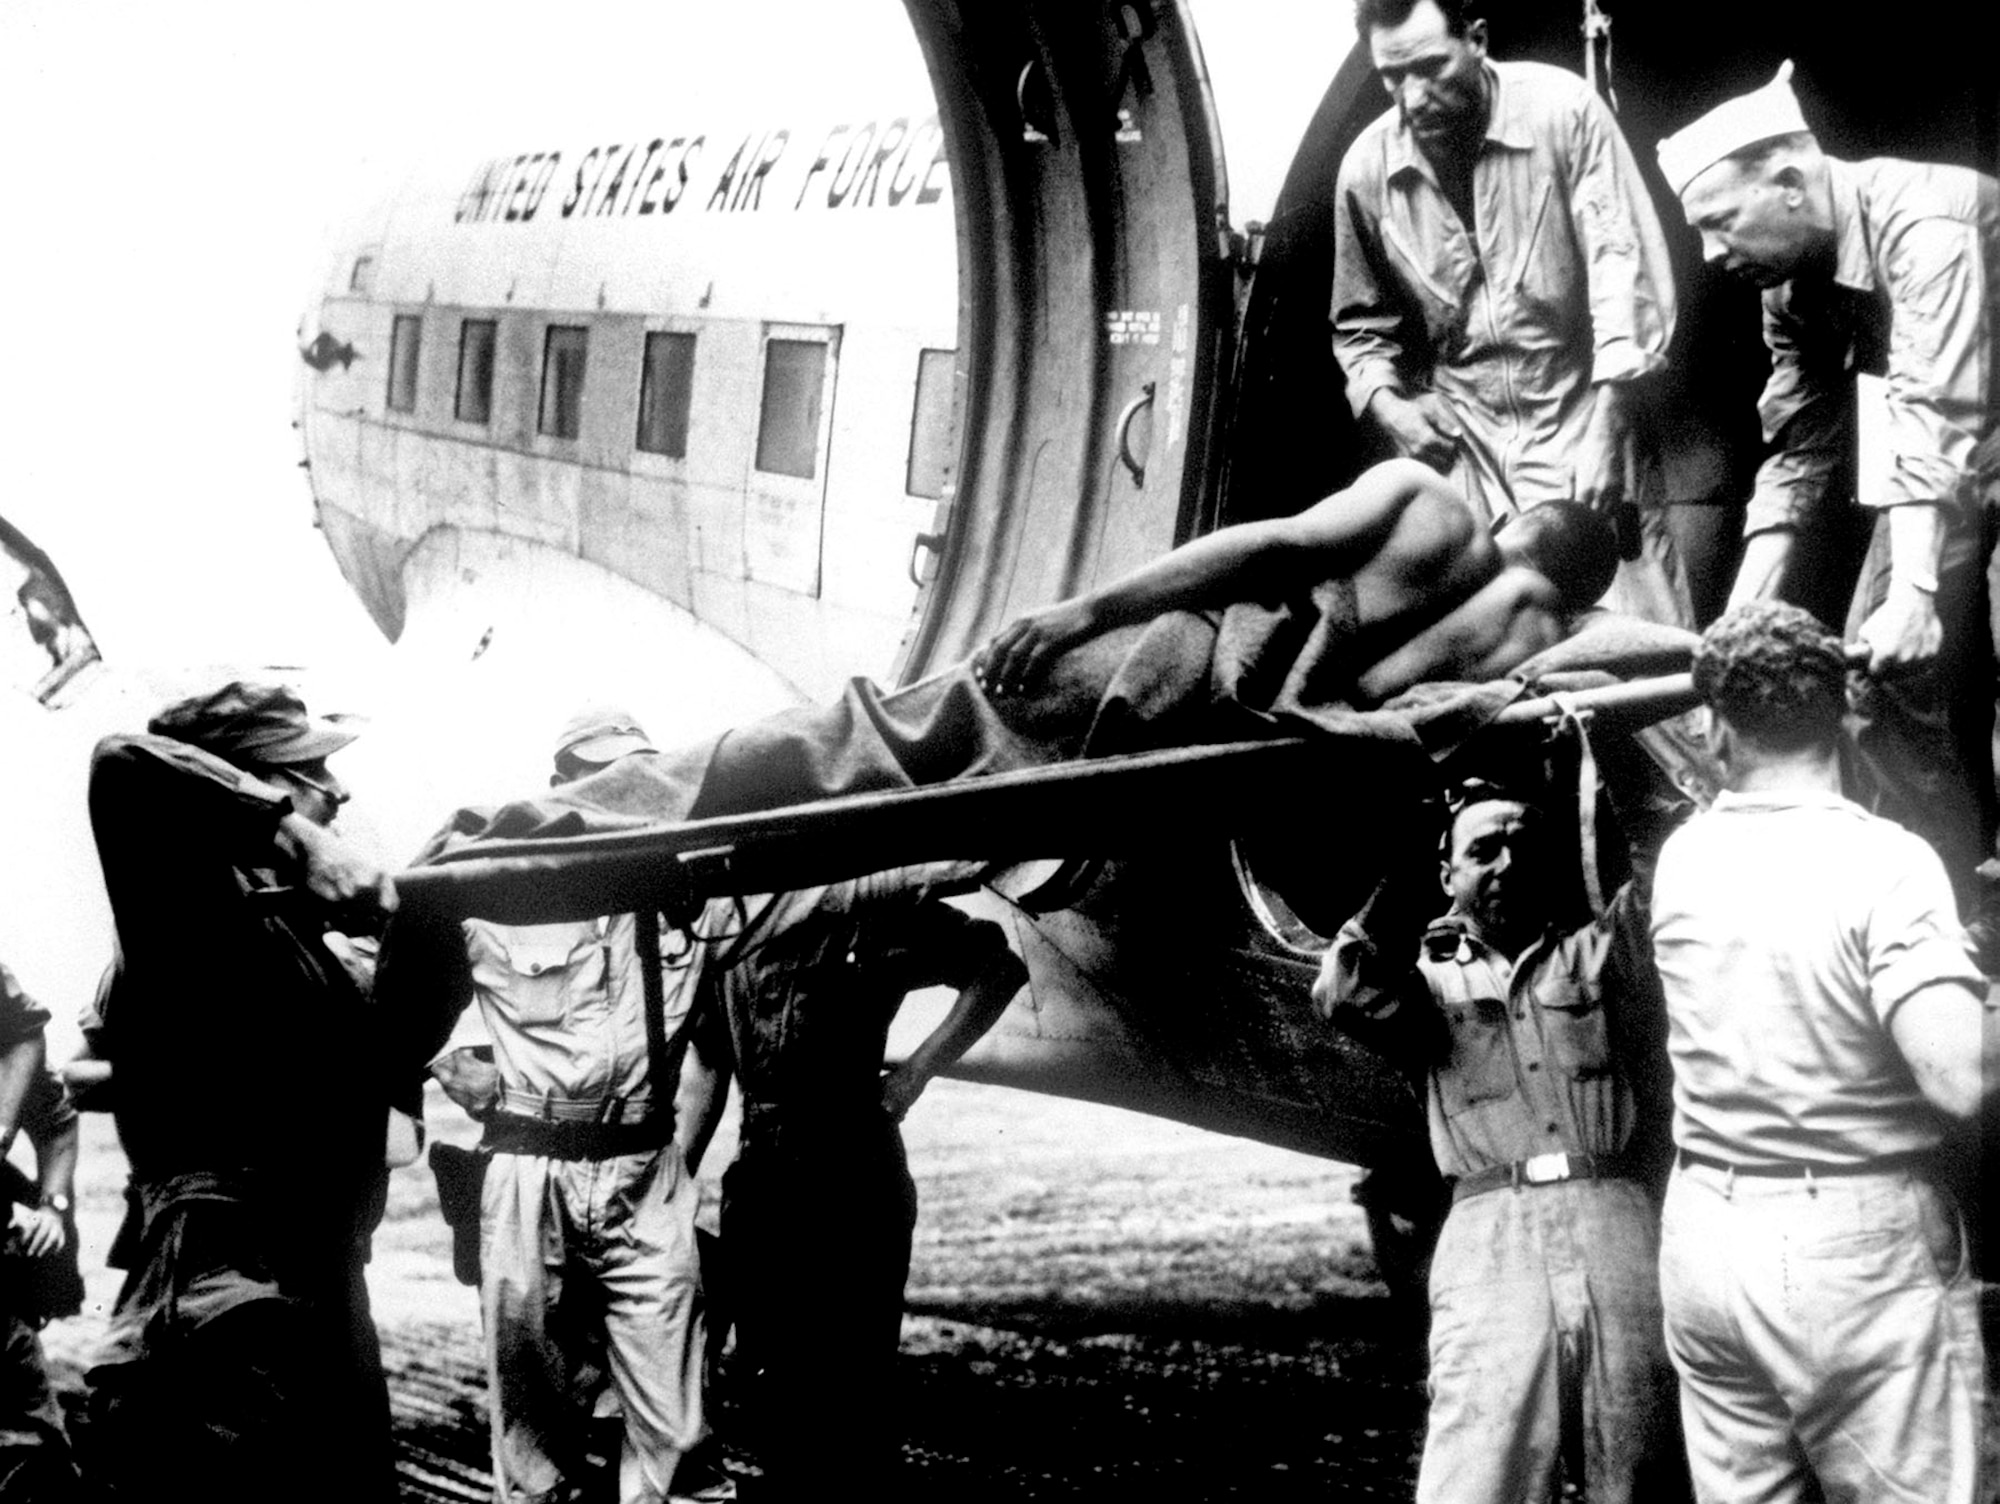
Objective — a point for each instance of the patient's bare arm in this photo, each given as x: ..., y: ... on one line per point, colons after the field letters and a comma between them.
x: 1398, y: 513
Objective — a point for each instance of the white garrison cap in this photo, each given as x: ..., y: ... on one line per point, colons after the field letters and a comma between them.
x: 1732, y: 125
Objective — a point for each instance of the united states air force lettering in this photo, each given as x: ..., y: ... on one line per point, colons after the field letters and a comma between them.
x: 889, y: 164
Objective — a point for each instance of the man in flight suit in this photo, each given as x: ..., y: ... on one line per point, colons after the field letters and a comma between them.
x: 1501, y: 287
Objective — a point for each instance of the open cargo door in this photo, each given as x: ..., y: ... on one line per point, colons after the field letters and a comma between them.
x: 1096, y: 303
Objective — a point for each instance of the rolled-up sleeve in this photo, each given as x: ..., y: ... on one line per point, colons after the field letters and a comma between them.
x: 1914, y: 937
x: 1367, y: 311
x: 1631, y: 280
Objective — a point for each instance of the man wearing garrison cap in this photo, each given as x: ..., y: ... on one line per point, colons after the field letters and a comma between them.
x: 252, y: 1085
x: 587, y: 1209
x: 1889, y: 269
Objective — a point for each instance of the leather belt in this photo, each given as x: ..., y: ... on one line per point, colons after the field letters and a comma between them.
x: 1542, y: 1169
x: 1798, y: 1169
x: 508, y: 1133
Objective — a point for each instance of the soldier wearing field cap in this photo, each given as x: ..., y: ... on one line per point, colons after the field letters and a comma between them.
x: 1535, y: 1043
x: 1888, y: 269
x: 254, y: 1080
x: 586, y: 1203
x: 1825, y: 1028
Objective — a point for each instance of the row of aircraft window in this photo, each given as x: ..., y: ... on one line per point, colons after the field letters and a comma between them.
x: 788, y: 421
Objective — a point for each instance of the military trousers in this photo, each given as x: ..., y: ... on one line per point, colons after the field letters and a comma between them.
x: 1824, y: 1330
x: 588, y: 1267
x: 1546, y: 1355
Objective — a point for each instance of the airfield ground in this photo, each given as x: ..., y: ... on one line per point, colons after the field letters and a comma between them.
x: 1103, y: 1307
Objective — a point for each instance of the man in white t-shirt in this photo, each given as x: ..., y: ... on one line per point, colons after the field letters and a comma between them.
x: 1826, y: 1029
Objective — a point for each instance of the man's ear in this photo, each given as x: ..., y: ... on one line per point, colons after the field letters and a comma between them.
x: 1475, y: 35
x: 1444, y: 875
x: 1718, y: 737
x: 1789, y: 178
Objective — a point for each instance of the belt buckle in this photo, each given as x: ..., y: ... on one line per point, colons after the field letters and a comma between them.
x: 1545, y: 1169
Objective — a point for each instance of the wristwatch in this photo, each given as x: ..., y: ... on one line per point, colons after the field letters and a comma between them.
x: 57, y: 1202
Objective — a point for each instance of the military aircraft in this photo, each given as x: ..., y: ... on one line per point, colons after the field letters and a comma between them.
x: 743, y: 370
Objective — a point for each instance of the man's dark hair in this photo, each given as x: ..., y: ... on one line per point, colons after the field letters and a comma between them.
x: 1570, y: 544
x: 1369, y: 14
x: 1775, y: 674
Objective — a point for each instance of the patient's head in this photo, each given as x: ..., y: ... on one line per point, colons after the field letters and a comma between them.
x: 1571, y: 546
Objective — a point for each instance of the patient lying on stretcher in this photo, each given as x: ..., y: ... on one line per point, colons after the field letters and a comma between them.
x: 1254, y: 630
x: 1404, y: 584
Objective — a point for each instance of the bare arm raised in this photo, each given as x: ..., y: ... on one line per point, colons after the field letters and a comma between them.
x: 1397, y: 508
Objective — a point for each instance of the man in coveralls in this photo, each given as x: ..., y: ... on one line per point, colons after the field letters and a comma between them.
x: 587, y: 1245
x: 254, y: 1082
x: 1501, y: 289
x: 1539, y: 1055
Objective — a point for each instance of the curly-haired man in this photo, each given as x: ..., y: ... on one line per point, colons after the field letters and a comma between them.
x: 1825, y: 1028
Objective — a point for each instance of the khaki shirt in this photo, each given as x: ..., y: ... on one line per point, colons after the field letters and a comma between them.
x: 1562, y: 281
x: 1558, y: 1050
x: 564, y: 1008
x: 1913, y: 297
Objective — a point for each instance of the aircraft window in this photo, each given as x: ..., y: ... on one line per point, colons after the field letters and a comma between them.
x: 405, y: 336
x: 794, y: 385
x: 562, y: 381
x: 930, y: 424
x: 476, y: 339
x: 666, y: 389
x: 363, y: 274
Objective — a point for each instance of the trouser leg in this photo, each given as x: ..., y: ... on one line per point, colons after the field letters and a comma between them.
x: 1601, y: 1244
x: 1493, y: 1430
x: 1898, y: 1411
x: 1653, y: 583
x: 536, y: 1417
x: 34, y: 1451
x: 821, y: 1331
x: 647, y: 1267
x: 1735, y: 1419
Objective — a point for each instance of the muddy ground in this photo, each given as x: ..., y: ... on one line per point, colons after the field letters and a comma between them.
x: 1102, y: 1307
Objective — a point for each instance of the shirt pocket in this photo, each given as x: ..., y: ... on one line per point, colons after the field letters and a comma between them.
x: 1436, y: 282
x: 541, y: 972
x: 1575, y: 1031
x: 1481, y: 1067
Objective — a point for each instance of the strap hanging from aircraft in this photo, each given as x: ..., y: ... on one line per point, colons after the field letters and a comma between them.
x: 1575, y: 720
x: 1596, y: 35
